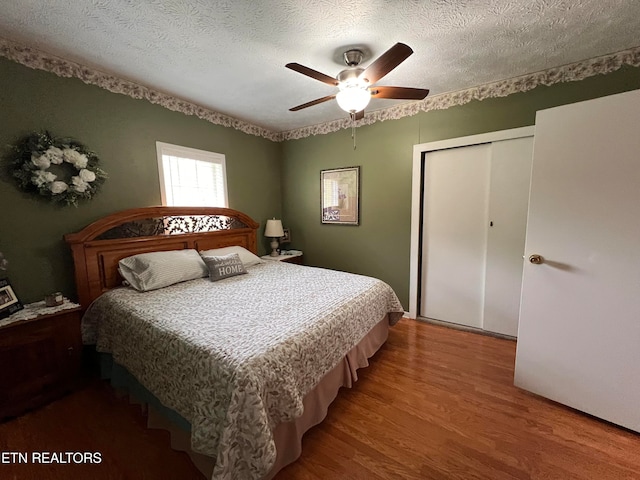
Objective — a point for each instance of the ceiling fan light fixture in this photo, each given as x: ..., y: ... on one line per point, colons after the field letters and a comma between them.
x: 355, y: 83
x: 353, y: 98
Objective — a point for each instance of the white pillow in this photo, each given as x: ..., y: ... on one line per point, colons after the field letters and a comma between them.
x: 248, y: 258
x: 149, y: 271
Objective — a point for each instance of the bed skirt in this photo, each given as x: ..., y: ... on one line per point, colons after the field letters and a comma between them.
x: 287, y: 436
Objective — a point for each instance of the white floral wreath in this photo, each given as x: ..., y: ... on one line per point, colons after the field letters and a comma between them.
x: 40, y: 163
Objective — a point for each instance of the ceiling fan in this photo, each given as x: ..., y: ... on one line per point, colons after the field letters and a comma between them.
x: 356, y: 84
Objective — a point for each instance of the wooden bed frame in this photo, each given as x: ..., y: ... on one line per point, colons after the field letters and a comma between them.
x: 99, y: 247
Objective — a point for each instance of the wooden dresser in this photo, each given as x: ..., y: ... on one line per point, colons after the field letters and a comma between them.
x: 40, y: 360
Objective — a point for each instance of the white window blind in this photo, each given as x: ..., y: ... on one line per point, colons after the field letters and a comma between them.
x: 191, y: 177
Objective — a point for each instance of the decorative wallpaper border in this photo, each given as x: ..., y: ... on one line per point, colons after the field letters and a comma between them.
x: 33, y: 58
x: 36, y: 59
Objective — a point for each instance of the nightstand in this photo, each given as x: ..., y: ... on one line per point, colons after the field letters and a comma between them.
x: 40, y: 358
x: 293, y: 258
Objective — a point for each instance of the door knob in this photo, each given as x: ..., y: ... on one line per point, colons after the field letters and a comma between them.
x: 536, y: 259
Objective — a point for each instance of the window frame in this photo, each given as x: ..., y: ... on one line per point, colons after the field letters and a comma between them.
x: 163, y: 148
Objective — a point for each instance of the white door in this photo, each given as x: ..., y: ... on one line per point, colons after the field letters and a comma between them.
x: 474, y: 221
x: 508, y: 203
x: 579, y: 333
x: 456, y: 203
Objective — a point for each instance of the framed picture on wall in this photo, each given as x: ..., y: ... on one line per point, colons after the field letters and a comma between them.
x: 340, y: 196
x: 9, y: 302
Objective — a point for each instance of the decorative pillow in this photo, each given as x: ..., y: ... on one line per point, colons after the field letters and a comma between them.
x: 224, y: 266
x: 248, y: 258
x: 149, y: 271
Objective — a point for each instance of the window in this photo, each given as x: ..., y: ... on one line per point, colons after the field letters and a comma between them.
x: 190, y: 177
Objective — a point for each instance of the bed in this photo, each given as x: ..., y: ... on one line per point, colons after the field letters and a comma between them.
x: 250, y: 362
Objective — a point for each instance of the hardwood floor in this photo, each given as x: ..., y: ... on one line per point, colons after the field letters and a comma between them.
x: 93, y: 420
x: 436, y: 403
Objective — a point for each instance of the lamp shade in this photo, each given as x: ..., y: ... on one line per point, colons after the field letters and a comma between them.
x: 353, y: 98
x: 274, y: 228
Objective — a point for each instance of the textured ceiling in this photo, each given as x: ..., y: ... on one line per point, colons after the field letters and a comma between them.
x: 229, y: 56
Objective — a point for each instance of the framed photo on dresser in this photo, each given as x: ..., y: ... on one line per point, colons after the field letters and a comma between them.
x: 9, y: 302
x: 287, y: 236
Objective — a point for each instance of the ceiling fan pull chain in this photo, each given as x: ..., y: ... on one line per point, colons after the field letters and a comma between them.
x: 353, y: 129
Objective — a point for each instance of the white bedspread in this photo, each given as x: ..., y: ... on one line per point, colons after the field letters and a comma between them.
x: 236, y: 357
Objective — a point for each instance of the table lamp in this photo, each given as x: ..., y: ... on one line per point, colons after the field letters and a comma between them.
x: 275, y: 231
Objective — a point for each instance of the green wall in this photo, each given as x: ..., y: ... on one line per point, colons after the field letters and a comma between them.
x: 123, y: 132
x: 265, y: 179
x: 379, y: 246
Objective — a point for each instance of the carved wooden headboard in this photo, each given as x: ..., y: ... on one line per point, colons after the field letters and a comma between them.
x: 98, y: 248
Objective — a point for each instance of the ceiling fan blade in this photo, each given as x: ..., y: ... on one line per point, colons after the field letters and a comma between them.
x: 386, y: 62
x: 312, y: 103
x: 400, y: 93
x: 310, y: 72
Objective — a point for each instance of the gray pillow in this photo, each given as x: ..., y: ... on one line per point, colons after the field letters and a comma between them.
x: 224, y: 266
x: 248, y: 258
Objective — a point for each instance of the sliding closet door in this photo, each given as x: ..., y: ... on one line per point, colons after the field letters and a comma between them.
x: 456, y: 196
x: 508, y: 203
x: 474, y: 225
